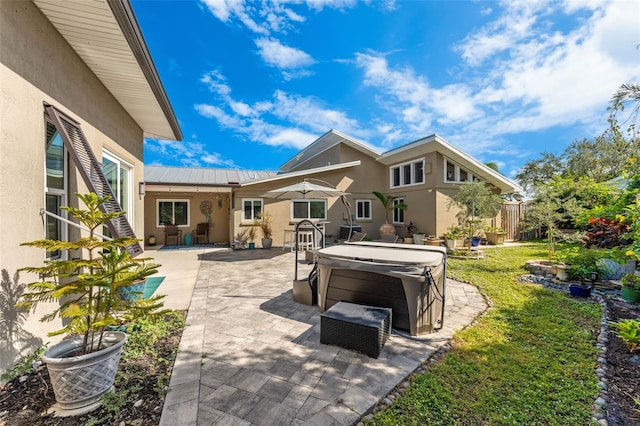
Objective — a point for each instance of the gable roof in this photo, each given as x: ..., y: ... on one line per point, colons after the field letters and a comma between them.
x: 106, y: 36
x: 322, y: 144
x: 433, y: 143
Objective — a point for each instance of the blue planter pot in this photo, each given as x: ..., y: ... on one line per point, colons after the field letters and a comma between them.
x: 475, y: 241
x: 580, y: 290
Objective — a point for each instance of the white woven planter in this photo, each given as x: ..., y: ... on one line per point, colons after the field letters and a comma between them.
x: 79, y: 381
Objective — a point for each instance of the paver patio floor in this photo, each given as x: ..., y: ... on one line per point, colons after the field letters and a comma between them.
x: 252, y: 356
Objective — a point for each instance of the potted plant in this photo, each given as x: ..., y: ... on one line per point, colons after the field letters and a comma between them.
x: 251, y: 235
x: 495, y: 236
x: 452, y: 236
x: 388, y: 205
x: 265, y: 223
x: 411, y: 229
x: 631, y: 287
x: 87, y: 291
x: 240, y: 240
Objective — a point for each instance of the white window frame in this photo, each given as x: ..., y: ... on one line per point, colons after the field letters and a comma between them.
x: 397, y: 214
x: 456, y: 174
x: 62, y: 193
x: 364, y: 202
x: 122, y: 165
x: 254, y: 214
x: 401, y: 168
x: 173, y: 200
x: 308, y: 201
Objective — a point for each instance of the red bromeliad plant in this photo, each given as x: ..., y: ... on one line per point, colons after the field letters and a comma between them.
x: 606, y: 233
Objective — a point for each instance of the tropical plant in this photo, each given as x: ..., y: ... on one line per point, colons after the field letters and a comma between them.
x: 629, y: 331
x: 388, y: 204
x: 606, y: 233
x: 87, y: 289
x: 251, y: 234
x: 632, y: 218
x: 631, y: 280
x: 475, y: 202
x: 265, y: 222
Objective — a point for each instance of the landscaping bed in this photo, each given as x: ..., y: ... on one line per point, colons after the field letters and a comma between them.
x: 622, y: 373
x: 141, y: 383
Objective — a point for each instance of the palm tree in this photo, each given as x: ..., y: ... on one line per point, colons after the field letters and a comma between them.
x: 387, y: 203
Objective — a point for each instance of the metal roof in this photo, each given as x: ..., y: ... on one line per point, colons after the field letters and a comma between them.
x: 106, y: 36
x: 203, y: 176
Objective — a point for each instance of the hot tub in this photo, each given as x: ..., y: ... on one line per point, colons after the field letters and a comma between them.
x: 408, y: 278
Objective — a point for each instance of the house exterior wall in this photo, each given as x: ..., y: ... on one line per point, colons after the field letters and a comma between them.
x: 219, y: 230
x: 358, y: 181
x: 36, y: 65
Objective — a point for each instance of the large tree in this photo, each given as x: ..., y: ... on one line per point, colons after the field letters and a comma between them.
x: 612, y: 154
x: 540, y: 171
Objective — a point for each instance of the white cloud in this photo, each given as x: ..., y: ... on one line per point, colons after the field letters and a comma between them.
x: 278, y: 55
x: 191, y: 154
x: 225, y: 10
x: 285, y: 120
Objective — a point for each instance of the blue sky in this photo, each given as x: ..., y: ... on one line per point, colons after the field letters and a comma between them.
x: 252, y: 83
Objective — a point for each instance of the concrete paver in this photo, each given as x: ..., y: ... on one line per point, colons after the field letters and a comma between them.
x: 252, y: 356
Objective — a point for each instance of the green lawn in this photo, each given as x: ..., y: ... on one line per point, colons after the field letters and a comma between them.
x: 529, y: 360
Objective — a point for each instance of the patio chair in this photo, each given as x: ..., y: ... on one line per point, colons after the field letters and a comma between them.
x: 357, y: 236
x: 389, y: 238
x: 172, y: 232
x: 202, y: 233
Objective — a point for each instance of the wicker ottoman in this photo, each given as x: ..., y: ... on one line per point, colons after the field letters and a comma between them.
x: 357, y: 327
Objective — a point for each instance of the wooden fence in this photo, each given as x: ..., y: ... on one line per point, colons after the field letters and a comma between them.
x: 512, y: 216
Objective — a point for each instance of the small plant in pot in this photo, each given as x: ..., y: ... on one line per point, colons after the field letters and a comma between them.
x: 411, y: 229
x: 631, y: 287
x: 495, y: 236
x: 452, y: 236
x: 83, y: 367
x: 264, y: 221
x: 251, y: 235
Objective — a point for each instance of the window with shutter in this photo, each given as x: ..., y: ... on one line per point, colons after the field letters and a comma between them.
x: 91, y: 171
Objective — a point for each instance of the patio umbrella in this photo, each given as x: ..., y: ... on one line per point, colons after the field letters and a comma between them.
x: 305, y: 189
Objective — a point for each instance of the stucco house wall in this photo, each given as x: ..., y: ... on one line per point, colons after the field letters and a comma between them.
x: 38, y: 65
x: 219, y: 229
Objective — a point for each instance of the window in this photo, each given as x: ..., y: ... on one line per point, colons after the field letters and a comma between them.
x: 406, y: 174
x: 363, y: 209
x: 55, y: 188
x: 309, y: 209
x: 455, y: 173
x: 119, y: 174
x: 251, y: 209
x: 398, y: 214
x: 172, y: 212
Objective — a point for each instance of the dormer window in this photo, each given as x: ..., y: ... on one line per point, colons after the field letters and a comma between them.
x: 405, y: 174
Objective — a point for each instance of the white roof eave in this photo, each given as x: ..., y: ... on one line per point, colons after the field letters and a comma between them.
x: 106, y: 36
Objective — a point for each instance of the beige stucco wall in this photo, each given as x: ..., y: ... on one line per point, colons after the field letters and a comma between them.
x: 38, y: 65
x: 220, y: 220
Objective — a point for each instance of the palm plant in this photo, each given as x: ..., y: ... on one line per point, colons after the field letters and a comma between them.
x: 387, y: 203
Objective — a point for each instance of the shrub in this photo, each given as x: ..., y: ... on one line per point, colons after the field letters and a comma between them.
x: 631, y: 280
x: 629, y: 331
x: 606, y: 233
x: 583, y: 262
